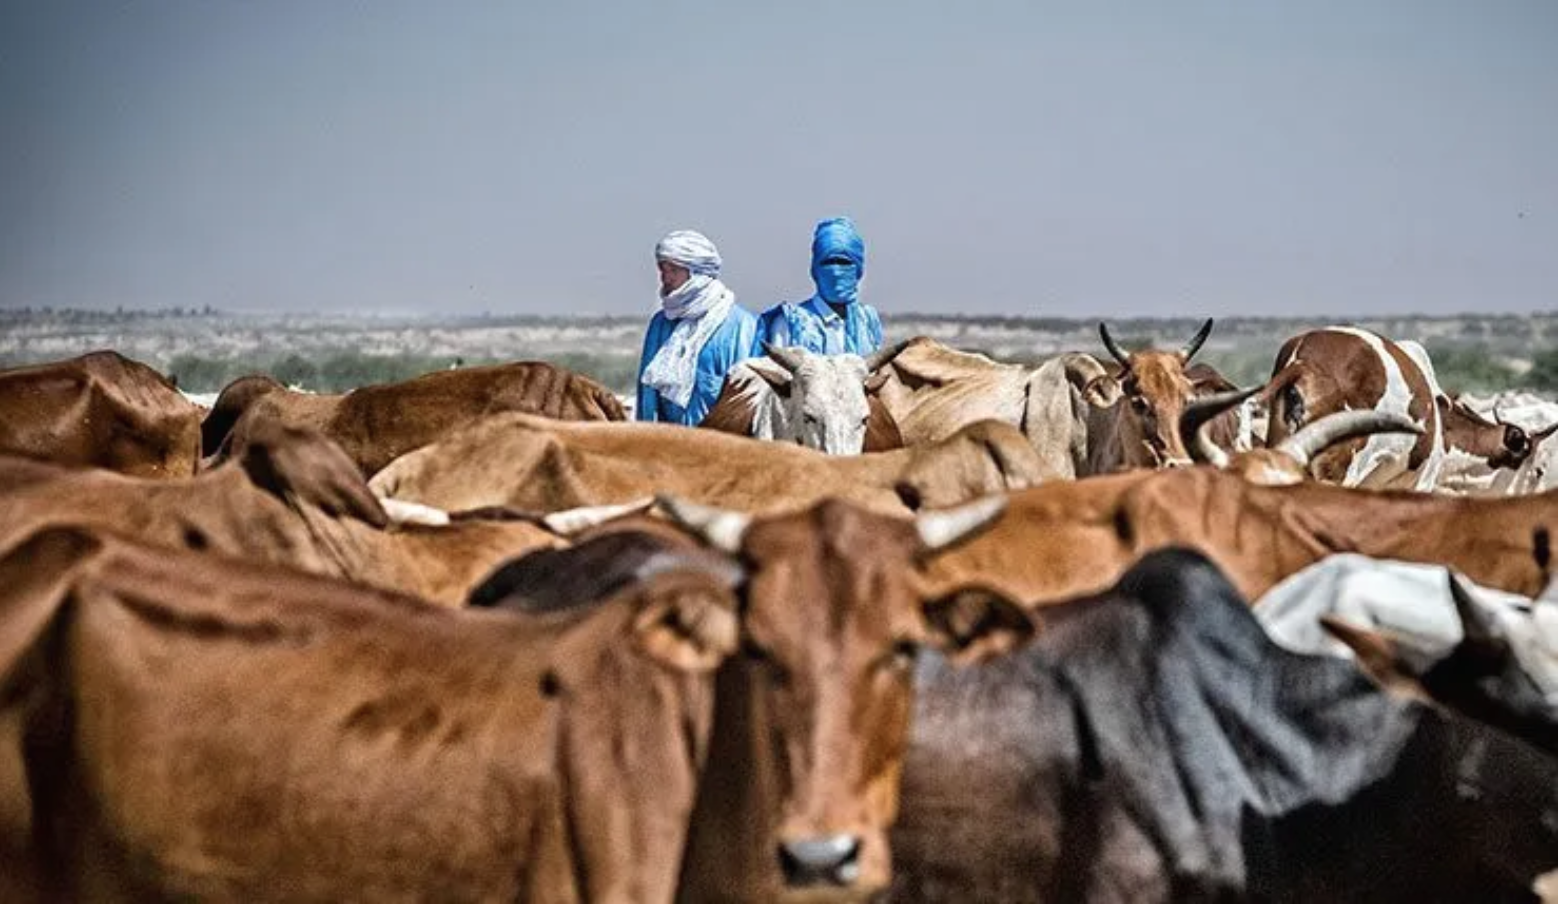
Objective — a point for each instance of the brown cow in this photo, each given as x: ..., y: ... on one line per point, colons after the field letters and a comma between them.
x: 932, y: 391
x: 184, y: 727
x: 101, y: 409
x: 289, y: 497
x: 818, y: 401
x: 1343, y: 368
x: 532, y: 463
x: 1142, y: 427
x: 803, y: 776
x: 375, y: 424
x: 1067, y: 539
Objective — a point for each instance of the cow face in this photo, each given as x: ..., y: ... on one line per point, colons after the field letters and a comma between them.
x: 1154, y: 392
x: 823, y: 399
x: 831, y: 626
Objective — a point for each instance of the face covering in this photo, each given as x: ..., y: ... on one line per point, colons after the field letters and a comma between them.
x: 685, y: 300
x: 837, y: 282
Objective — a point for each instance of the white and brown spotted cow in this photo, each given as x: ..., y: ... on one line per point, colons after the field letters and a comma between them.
x: 1343, y: 368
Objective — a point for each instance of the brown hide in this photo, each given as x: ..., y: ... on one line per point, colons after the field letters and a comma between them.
x: 202, y: 729
x: 375, y: 424
x: 290, y: 498
x: 931, y: 391
x: 1329, y: 372
x: 1067, y: 539
x: 531, y: 463
x: 102, y: 410
x: 811, y: 721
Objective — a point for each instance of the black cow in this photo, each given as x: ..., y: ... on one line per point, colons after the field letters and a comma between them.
x: 1151, y: 744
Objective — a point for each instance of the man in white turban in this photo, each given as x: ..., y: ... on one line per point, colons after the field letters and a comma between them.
x: 696, y: 336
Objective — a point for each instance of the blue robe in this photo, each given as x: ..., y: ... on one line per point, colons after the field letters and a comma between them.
x: 732, y: 342
x: 815, y: 326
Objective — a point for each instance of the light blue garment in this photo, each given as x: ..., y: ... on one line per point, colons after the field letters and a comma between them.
x: 732, y: 342
x: 815, y: 326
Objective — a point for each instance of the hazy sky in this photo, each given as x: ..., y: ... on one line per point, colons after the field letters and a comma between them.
x: 1040, y: 157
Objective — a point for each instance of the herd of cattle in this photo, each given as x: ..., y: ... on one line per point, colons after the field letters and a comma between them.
x: 919, y: 626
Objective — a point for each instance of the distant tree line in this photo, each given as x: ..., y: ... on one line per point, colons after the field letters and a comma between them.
x: 1459, y: 369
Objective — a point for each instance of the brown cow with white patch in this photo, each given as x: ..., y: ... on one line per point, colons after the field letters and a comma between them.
x: 536, y: 464
x: 101, y: 409
x: 1288, y: 462
x: 1344, y: 368
x: 375, y: 424
x: 1067, y: 539
x: 183, y: 727
x: 290, y: 497
x: 1141, y: 429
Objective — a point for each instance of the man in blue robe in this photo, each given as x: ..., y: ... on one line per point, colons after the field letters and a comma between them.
x: 833, y: 321
x: 695, y: 338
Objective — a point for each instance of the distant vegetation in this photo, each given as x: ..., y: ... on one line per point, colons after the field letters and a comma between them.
x: 206, y: 349
x: 341, y: 371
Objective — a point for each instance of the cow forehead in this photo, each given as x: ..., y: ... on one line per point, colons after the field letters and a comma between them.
x: 829, y: 565
x: 1158, y: 374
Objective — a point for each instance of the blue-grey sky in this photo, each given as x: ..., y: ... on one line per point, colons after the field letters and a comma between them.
x: 1039, y: 157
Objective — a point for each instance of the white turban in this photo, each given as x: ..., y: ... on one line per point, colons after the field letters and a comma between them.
x: 690, y: 250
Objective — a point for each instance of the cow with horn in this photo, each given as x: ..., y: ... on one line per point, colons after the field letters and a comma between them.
x: 1141, y: 429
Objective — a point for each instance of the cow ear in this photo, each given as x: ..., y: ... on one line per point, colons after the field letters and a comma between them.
x: 778, y: 378
x: 1392, y: 661
x: 1102, y: 391
x: 305, y: 466
x: 688, y: 628
x: 975, y: 623
x: 35, y: 579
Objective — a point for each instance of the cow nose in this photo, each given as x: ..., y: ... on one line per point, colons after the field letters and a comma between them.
x: 832, y: 860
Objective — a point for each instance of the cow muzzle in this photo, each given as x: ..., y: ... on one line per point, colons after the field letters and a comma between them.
x: 831, y: 861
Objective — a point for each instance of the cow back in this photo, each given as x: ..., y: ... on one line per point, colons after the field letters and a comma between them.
x: 102, y: 410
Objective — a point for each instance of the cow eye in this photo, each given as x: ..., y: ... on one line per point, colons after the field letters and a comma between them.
x: 902, y: 655
x: 1139, y: 404
x: 776, y: 672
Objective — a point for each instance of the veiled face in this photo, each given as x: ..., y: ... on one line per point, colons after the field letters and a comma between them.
x: 672, y: 276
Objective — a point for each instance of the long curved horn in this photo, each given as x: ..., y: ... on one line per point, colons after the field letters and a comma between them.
x: 1330, y: 429
x: 788, y: 358
x: 722, y: 529
x: 1190, y: 348
x: 1196, y: 421
x: 1116, y: 351
x: 885, y: 354
x: 940, y: 528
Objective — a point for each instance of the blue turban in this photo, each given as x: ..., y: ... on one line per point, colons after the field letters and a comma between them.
x: 837, y: 237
